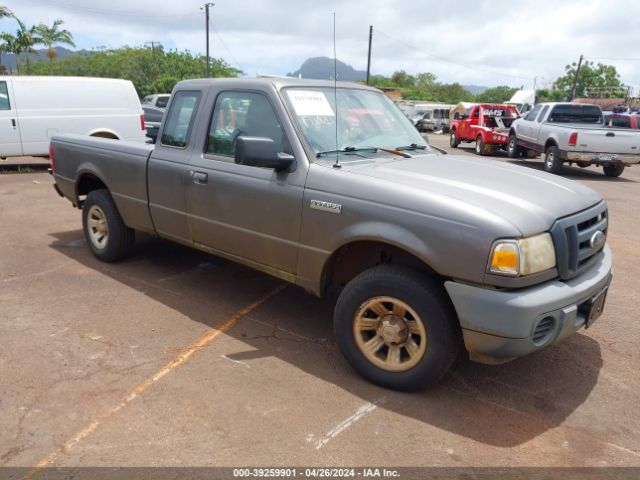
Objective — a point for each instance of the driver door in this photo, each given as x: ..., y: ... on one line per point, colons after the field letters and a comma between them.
x: 249, y: 213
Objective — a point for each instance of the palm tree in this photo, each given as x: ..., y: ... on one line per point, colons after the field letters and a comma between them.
x: 22, y: 42
x: 50, y: 35
x: 4, y: 12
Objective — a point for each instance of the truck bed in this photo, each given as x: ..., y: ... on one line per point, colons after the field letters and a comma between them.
x: 123, y: 163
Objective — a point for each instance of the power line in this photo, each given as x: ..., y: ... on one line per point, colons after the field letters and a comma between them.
x: 226, y: 48
x: 446, y: 60
x: 107, y: 12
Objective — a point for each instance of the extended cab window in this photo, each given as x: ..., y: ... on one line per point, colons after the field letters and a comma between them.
x: 4, y: 97
x: 242, y: 114
x: 531, y: 116
x: 543, y: 113
x: 576, y: 114
x: 180, y: 119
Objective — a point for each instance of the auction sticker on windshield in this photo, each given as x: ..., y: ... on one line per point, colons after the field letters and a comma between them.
x: 310, y: 103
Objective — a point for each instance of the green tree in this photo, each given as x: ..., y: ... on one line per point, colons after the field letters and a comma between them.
x: 550, y: 95
x: 150, y: 70
x: 403, y: 79
x: 499, y: 94
x: 22, y: 42
x: 598, y: 79
x: 51, y: 35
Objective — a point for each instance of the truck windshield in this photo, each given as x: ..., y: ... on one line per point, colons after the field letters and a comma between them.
x: 364, y: 119
x: 576, y: 114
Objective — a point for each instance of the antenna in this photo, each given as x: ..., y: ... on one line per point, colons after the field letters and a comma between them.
x: 335, y: 90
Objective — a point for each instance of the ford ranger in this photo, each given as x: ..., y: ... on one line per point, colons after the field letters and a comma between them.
x: 324, y: 186
x: 573, y: 133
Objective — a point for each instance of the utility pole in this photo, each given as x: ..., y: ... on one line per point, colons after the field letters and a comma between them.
x: 575, y: 79
x: 206, y: 11
x: 369, y: 56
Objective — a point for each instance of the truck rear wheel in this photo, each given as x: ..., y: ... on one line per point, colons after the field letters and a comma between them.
x: 106, y: 234
x: 479, y: 146
x: 614, y: 170
x: 453, y: 139
x: 513, y: 151
x: 552, y: 160
x: 397, y: 327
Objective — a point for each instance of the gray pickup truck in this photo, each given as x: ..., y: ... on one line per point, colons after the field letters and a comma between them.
x: 324, y: 186
x: 573, y: 133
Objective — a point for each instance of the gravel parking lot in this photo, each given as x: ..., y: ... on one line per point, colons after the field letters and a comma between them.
x: 176, y: 357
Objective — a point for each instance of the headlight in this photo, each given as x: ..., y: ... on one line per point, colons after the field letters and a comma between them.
x: 523, y: 256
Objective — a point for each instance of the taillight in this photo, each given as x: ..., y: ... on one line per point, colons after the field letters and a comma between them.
x: 52, y: 161
x: 573, y: 139
x: 142, y: 121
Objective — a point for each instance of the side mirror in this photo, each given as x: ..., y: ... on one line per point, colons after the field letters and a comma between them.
x: 463, y: 116
x: 456, y: 116
x: 261, y: 152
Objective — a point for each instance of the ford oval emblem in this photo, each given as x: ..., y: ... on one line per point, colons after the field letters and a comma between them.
x: 597, y: 240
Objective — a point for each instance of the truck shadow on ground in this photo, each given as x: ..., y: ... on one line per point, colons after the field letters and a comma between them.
x: 574, y: 173
x: 503, y: 405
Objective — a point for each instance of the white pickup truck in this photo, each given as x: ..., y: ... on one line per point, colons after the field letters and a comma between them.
x: 573, y: 133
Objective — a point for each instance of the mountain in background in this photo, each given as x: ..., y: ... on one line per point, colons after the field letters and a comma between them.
x: 321, y: 68
x: 475, y: 89
x: 9, y: 59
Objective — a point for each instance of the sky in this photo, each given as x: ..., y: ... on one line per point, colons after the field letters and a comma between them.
x: 479, y: 42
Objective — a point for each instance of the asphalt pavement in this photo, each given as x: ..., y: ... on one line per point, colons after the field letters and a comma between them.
x: 178, y: 358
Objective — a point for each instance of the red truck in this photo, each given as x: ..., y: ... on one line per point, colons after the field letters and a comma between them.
x: 486, y: 124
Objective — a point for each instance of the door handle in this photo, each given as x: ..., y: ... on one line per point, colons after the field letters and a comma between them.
x: 610, y: 134
x: 13, y: 123
x: 199, y: 177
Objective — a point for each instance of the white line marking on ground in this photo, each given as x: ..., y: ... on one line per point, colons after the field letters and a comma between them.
x: 347, y: 423
x: 237, y: 362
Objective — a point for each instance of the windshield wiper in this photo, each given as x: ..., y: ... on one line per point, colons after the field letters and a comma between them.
x: 413, y: 146
x: 346, y: 150
x: 395, y: 151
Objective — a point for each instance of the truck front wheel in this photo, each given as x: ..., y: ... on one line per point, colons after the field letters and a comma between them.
x: 453, y: 139
x: 552, y: 160
x: 106, y: 234
x: 614, y: 170
x: 397, y: 327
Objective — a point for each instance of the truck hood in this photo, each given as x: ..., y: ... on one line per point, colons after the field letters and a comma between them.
x: 528, y: 199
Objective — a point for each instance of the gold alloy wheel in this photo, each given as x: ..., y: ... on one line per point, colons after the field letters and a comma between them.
x: 98, y: 227
x: 390, y: 334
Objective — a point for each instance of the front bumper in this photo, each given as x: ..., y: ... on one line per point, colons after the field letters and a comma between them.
x: 499, y: 325
x: 598, y: 159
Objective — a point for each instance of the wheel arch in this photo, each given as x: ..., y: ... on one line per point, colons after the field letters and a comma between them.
x: 88, y: 181
x: 104, y: 133
x: 358, y: 255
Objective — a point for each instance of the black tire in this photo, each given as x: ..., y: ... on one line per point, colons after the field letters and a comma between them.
x: 117, y: 243
x: 427, y: 298
x: 614, y: 170
x: 552, y: 160
x: 453, y: 140
x: 513, y: 150
x: 479, y: 146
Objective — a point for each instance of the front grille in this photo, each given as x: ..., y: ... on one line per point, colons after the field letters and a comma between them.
x: 572, y: 239
x: 543, y: 329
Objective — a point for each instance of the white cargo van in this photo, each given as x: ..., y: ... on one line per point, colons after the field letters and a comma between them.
x: 33, y: 109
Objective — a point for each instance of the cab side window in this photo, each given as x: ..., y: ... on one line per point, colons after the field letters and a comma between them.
x: 543, y: 113
x: 239, y: 114
x: 531, y: 116
x: 180, y: 119
x: 4, y: 97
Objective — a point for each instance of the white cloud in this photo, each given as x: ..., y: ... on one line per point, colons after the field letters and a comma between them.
x: 491, y: 42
